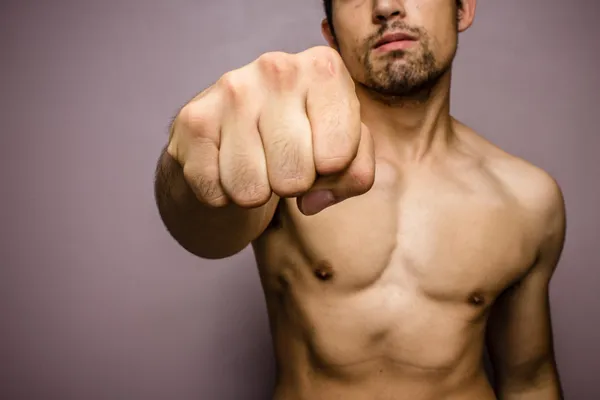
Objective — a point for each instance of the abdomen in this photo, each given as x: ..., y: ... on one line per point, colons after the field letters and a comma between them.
x: 376, y: 345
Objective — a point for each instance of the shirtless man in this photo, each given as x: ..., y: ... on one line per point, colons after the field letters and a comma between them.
x: 393, y: 242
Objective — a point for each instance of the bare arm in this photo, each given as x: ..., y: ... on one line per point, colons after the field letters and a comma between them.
x: 205, y: 231
x: 283, y: 126
x: 520, y: 331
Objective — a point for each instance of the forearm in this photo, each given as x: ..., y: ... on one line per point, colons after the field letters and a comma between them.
x: 541, y: 387
x: 547, y: 392
x: 202, y: 230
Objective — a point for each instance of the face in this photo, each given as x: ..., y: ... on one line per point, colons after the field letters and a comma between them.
x: 405, y: 69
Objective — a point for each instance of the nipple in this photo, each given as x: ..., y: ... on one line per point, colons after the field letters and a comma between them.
x: 476, y: 299
x: 324, y: 271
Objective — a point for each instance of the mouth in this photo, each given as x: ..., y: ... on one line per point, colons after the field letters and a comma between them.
x: 398, y: 39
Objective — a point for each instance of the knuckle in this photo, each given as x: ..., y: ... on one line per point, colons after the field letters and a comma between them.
x: 218, y: 201
x: 336, y: 149
x: 353, y: 107
x: 233, y: 87
x: 325, y: 60
x: 362, y: 177
x: 205, y: 185
x: 280, y: 68
x: 251, y: 195
x: 291, y: 186
x: 288, y: 157
x: 325, y: 52
x: 290, y: 172
x: 333, y: 164
x: 289, y: 153
x: 247, y: 190
x: 193, y: 119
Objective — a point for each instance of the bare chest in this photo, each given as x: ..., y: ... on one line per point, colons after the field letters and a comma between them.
x: 437, y: 239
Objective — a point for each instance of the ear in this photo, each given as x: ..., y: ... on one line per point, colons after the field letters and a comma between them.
x: 327, y: 34
x: 466, y: 14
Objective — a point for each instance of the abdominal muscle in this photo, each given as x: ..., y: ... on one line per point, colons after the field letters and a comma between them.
x: 383, y: 342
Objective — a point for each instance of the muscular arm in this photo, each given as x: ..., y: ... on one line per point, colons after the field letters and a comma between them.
x: 207, y: 232
x: 520, y: 330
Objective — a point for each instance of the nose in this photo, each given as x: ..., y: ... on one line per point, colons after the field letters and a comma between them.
x: 387, y: 10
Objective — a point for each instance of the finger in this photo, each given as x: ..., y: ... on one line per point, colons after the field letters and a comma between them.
x: 285, y: 129
x: 356, y: 180
x: 242, y: 162
x: 197, y: 119
x: 286, y: 135
x: 194, y: 144
x: 333, y: 111
x: 201, y: 172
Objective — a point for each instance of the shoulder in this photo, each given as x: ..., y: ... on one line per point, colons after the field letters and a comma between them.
x: 537, y: 194
x: 542, y: 209
x: 536, y: 191
x: 534, y: 188
x: 543, y: 206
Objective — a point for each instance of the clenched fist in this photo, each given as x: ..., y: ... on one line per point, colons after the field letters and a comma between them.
x: 285, y: 124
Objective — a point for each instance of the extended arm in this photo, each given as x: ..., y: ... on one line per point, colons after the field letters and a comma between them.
x: 205, y: 231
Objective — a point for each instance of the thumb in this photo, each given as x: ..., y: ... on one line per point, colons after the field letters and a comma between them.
x: 316, y: 201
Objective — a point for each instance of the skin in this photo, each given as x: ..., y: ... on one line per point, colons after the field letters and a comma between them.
x: 389, y: 295
x: 440, y: 242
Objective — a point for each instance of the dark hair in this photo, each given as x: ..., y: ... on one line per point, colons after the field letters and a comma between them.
x: 328, y: 5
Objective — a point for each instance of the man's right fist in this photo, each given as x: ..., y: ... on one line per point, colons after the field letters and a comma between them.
x: 287, y: 124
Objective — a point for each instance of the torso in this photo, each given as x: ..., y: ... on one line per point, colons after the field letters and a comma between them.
x: 385, y: 296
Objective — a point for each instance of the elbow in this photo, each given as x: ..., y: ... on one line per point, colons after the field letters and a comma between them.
x: 208, y: 247
x: 215, y: 252
x: 538, y: 379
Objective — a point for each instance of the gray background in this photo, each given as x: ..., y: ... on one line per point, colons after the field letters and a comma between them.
x: 98, y: 302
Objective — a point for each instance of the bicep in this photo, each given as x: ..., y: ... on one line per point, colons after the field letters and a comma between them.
x: 520, y: 329
x: 519, y: 332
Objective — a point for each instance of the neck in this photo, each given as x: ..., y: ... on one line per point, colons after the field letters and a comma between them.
x: 412, y: 128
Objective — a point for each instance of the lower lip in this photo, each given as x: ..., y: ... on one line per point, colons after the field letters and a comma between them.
x: 398, y: 45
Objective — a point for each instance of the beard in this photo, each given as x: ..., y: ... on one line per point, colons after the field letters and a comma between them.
x: 402, y: 75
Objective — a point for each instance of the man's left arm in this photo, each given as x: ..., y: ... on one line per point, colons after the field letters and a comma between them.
x: 519, y: 334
